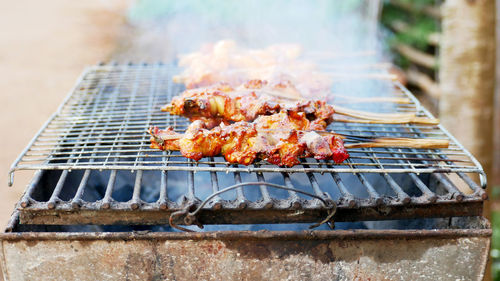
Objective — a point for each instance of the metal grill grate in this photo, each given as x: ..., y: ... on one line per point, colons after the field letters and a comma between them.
x: 100, y: 131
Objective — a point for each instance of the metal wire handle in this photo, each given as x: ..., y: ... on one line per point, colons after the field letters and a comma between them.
x: 190, y: 217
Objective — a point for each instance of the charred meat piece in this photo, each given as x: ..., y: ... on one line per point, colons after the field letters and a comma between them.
x: 249, y: 101
x: 279, y: 139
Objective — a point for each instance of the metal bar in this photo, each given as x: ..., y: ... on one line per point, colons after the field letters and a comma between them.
x: 346, y: 195
x: 51, y: 118
x: 250, y: 169
x: 370, y: 189
x: 266, y: 199
x: 26, y: 199
x: 251, y: 235
x: 77, y: 199
x: 401, y: 195
x: 13, y: 221
x: 190, y: 196
x: 136, y: 200
x: 38, y: 214
x: 314, y: 184
x: 293, y: 197
x: 482, y: 174
x: 476, y: 188
x: 106, y: 201
x: 217, y: 205
x: 142, y: 113
x: 241, y: 200
x: 154, y: 152
x: 103, y: 132
x: 163, y: 199
x: 450, y: 187
x: 427, y: 193
x: 82, y: 144
x: 54, y: 198
x: 163, y: 191
x: 447, y: 184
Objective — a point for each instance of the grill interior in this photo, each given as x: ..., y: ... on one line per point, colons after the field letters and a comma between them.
x: 95, y: 165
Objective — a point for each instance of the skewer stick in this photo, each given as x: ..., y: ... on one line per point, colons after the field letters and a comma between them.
x: 389, y: 117
x: 411, y: 120
x: 369, y: 115
x: 362, y: 114
x: 401, y: 142
x: 371, y: 99
x: 420, y: 143
x: 372, y: 117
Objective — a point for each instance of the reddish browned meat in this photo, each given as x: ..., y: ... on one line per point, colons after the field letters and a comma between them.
x: 280, y: 139
x: 251, y: 100
x: 226, y: 61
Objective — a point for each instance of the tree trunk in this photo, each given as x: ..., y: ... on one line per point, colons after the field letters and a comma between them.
x: 467, y: 74
x: 467, y: 77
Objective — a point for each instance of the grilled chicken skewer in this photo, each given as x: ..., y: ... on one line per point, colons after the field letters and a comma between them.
x: 223, y: 103
x: 279, y: 139
x: 233, y: 64
x: 259, y: 97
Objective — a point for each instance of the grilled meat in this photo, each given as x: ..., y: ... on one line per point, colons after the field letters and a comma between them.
x: 226, y: 62
x: 280, y: 139
x: 246, y: 103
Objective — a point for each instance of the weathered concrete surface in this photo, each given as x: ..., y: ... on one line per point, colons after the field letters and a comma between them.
x: 156, y: 257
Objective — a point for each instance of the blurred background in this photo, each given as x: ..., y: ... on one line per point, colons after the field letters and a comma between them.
x: 443, y: 50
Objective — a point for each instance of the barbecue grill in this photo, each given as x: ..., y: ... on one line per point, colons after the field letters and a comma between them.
x: 95, y: 174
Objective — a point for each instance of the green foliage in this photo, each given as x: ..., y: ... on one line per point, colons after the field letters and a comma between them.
x: 418, y: 26
x: 495, y: 245
x: 419, y: 4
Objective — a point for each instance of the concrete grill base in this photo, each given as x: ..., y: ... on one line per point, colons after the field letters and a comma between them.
x: 438, y: 254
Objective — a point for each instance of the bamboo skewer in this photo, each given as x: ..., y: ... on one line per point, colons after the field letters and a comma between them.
x: 411, y: 120
x: 401, y: 142
x: 371, y: 142
x: 370, y: 117
x: 365, y: 117
x: 371, y: 99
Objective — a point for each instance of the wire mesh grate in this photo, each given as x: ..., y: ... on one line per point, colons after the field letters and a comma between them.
x: 103, y: 124
x: 96, y: 167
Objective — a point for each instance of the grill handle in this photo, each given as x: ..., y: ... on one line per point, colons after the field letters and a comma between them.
x: 190, y: 217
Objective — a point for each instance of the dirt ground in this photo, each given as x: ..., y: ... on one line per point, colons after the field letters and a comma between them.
x: 44, y: 46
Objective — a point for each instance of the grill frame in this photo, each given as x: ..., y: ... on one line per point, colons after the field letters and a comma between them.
x: 65, y: 118
x: 267, y: 209
x: 330, y: 254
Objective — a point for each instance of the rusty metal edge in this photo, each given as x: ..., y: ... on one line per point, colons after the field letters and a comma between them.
x: 3, y: 262
x: 253, y: 235
x: 258, y: 216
